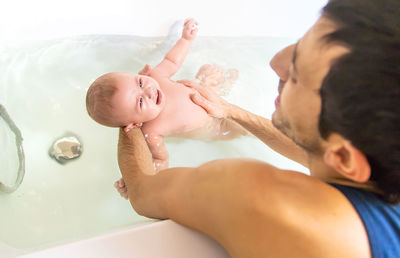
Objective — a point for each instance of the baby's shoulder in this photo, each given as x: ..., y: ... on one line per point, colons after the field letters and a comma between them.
x: 155, y: 127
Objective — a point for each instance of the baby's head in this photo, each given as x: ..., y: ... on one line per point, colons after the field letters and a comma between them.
x: 124, y: 99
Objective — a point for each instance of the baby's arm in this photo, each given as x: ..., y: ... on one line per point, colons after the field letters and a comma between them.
x: 175, y: 57
x: 158, y: 151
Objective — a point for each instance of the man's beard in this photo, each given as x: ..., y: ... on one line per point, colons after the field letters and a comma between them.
x: 311, y: 147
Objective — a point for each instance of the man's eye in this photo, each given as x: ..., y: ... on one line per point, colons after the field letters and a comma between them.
x: 140, y: 83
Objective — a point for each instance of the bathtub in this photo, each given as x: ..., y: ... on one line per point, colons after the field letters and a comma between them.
x: 50, y: 52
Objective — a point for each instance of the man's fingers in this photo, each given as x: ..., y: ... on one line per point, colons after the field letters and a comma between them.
x: 201, y: 89
x: 145, y: 70
x: 201, y: 101
x: 189, y: 83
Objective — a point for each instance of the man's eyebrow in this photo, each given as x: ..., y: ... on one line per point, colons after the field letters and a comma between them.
x: 295, y: 56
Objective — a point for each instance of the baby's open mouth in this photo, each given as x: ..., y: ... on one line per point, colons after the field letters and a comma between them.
x: 158, y: 100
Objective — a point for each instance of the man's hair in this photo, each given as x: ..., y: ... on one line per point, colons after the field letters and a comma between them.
x: 361, y: 92
x: 98, y: 100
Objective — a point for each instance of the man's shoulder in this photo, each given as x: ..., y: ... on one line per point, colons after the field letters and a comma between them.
x: 292, y: 191
x: 273, y: 186
x: 319, y: 213
x: 302, y: 210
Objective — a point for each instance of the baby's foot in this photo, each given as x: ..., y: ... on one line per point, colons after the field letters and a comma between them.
x: 210, y: 75
x: 121, y: 188
x: 215, y: 77
x: 232, y: 75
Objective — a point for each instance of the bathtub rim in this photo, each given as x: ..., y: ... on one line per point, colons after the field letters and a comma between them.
x: 190, y: 241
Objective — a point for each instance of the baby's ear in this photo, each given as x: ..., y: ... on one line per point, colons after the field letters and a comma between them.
x: 131, y: 126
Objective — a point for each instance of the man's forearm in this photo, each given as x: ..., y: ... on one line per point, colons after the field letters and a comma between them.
x: 136, y: 164
x: 259, y: 126
x: 263, y: 129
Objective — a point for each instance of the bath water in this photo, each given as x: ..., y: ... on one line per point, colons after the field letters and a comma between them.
x: 43, y: 87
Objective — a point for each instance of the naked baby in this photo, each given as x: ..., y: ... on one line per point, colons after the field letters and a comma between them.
x: 160, y: 106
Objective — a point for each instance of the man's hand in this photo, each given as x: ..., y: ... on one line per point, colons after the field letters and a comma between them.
x: 206, y: 98
x: 190, y: 29
x: 146, y: 70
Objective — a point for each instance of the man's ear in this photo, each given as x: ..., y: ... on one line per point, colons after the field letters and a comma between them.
x: 346, y: 159
x: 131, y: 126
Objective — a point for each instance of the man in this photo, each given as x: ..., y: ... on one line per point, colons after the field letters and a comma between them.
x: 337, y: 110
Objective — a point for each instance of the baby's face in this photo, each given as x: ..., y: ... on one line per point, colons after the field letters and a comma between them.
x: 138, y: 98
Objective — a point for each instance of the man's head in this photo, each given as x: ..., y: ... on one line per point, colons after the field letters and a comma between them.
x: 124, y: 99
x: 339, y: 99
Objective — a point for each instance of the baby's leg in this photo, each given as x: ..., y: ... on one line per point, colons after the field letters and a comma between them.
x: 226, y: 129
x: 214, y: 76
x: 231, y: 76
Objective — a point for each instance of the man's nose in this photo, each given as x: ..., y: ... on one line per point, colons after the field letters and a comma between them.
x: 280, y: 63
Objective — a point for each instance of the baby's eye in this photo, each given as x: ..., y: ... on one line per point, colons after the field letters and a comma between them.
x: 140, y: 102
x: 140, y: 83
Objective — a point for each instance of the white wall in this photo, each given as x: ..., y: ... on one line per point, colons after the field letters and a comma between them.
x: 33, y: 19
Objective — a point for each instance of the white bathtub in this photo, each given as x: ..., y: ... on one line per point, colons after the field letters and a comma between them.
x: 72, y: 210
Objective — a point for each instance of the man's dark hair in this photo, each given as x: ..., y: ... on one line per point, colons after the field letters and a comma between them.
x: 361, y: 92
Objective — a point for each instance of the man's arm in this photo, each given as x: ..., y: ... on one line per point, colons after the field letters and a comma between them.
x: 225, y: 198
x: 251, y: 208
x: 175, y: 57
x: 259, y: 126
x: 263, y: 129
x: 160, y: 195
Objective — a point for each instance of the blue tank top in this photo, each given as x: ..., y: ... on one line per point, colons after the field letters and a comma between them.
x: 381, y: 220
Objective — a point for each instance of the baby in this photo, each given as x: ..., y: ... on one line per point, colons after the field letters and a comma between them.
x: 160, y: 106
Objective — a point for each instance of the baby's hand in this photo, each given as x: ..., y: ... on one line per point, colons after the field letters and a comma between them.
x: 121, y: 188
x: 160, y: 165
x: 190, y: 29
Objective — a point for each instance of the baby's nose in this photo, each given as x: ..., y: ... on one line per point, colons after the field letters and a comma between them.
x: 149, y: 92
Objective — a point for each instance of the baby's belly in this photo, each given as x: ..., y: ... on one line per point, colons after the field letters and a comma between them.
x: 205, y: 131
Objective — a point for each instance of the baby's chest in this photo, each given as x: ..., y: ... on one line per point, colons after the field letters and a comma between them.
x: 181, y: 114
x: 184, y: 116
